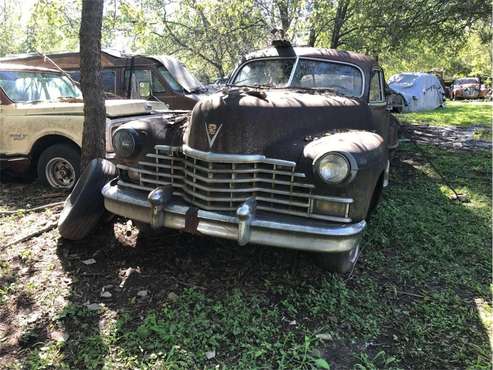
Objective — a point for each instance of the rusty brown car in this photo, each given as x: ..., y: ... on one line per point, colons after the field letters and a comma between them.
x: 293, y: 153
x: 468, y: 88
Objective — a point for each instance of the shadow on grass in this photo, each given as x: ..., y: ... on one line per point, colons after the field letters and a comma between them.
x: 180, y: 301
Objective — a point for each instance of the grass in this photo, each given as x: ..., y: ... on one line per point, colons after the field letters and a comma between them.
x: 455, y: 113
x: 419, y: 298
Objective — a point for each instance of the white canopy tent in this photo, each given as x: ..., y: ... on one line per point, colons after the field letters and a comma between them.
x: 421, y: 91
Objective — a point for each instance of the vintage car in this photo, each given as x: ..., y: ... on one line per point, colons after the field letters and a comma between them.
x: 468, y: 88
x: 41, y: 122
x: 419, y: 91
x: 293, y: 153
x: 167, y: 79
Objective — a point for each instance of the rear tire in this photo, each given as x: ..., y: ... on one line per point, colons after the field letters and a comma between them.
x: 59, y: 166
x: 84, y: 207
x: 340, y: 262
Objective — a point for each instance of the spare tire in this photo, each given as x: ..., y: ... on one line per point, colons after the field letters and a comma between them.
x: 84, y: 207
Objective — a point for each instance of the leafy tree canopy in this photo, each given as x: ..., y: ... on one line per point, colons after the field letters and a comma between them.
x: 210, y: 36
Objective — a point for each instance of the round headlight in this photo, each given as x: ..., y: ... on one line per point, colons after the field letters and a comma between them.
x: 333, y: 168
x: 126, y: 142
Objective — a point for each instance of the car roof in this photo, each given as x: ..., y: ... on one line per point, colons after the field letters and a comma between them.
x: 361, y: 60
x: 21, y: 67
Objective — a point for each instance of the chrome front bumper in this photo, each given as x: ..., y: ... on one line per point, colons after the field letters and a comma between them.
x: 161, y: 209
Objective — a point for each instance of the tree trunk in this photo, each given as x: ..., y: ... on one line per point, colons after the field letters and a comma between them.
x: 312, y: 38
x: 93, y: 137
x: 340, y: 19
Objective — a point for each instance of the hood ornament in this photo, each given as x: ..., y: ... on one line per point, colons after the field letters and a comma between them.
x: 212, y: 131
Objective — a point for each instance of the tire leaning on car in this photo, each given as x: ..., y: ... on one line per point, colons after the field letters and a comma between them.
x: 84, y: 207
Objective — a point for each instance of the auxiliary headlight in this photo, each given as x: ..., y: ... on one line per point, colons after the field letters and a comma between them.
x: 126, y: 142
x: 333, y: 168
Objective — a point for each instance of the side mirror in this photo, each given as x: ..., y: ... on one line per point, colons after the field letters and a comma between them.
x: 144, y: 89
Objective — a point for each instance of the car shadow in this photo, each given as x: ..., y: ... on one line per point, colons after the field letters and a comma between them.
x: 120, y: 272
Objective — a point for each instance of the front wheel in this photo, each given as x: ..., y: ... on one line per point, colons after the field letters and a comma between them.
x: 340, y: 262
x: 59, y: 166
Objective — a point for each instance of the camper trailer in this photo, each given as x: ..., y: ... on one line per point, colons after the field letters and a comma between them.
x: 159, y: 78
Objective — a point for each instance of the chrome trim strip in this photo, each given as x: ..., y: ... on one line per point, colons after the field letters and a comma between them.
x: 233, y: 158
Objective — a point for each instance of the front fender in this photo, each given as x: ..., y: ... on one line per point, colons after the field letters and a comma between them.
x: 367, y: 151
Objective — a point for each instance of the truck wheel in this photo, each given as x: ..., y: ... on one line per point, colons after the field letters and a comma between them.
x: 84, y: 207
x: 341, y: 262
x: 59, y: 166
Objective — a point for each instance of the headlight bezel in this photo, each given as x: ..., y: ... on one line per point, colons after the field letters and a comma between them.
x: 349, y: 160
x: 136, y: 142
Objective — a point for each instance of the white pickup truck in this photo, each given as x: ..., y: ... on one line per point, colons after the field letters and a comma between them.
x: 41, y: 122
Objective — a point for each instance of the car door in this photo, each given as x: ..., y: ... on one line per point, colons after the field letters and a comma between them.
x: 378, y: 104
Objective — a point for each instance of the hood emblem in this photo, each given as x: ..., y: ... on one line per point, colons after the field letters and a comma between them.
x: 212, y: 131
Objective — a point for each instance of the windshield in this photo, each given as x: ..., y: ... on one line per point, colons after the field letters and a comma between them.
x: 28, y: 87
x: 464, y: 81
x: 175, y: 86
x: 406, y: 80
x: 308, y: 74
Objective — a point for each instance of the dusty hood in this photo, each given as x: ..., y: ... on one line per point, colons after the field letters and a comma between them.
x: 114, y: 108
x: 277, y: 124
x: 178, y: 70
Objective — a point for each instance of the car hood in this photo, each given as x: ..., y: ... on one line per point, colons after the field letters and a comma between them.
x: 114, y: 108
x: 277, y: 124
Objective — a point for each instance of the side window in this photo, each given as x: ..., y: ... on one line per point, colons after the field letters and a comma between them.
x: 143, y: 75
x: 376, y: 88
x: 108, y: 76
x: 109, y: 80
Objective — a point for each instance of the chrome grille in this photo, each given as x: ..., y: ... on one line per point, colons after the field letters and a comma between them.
x: 223, y: 182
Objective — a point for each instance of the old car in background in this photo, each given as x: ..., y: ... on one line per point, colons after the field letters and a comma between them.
x: 419, y: 91
x: 294, y: 153
x: 162, y: 78
x: 468, y: 88
x: 41, y: 122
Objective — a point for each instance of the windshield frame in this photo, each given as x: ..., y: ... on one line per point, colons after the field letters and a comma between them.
x: 295, y: 66
x: 58, y: 74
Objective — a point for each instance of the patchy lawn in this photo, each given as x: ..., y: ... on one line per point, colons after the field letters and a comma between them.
x: 457, y: 113
x: 419, y: 297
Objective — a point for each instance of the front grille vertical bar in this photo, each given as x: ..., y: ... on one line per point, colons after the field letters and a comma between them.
x: 291, y: 182
x: 231, y: 184
x: 172, y: 169
x: 157, y: 164
x: 274, y: 168
x: 194, y: 177
x: 210, y: 175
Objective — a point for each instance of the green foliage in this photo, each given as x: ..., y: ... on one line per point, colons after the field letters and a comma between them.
x: 456, y: 113
x: 53, y: 26
x: 210, y: 36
